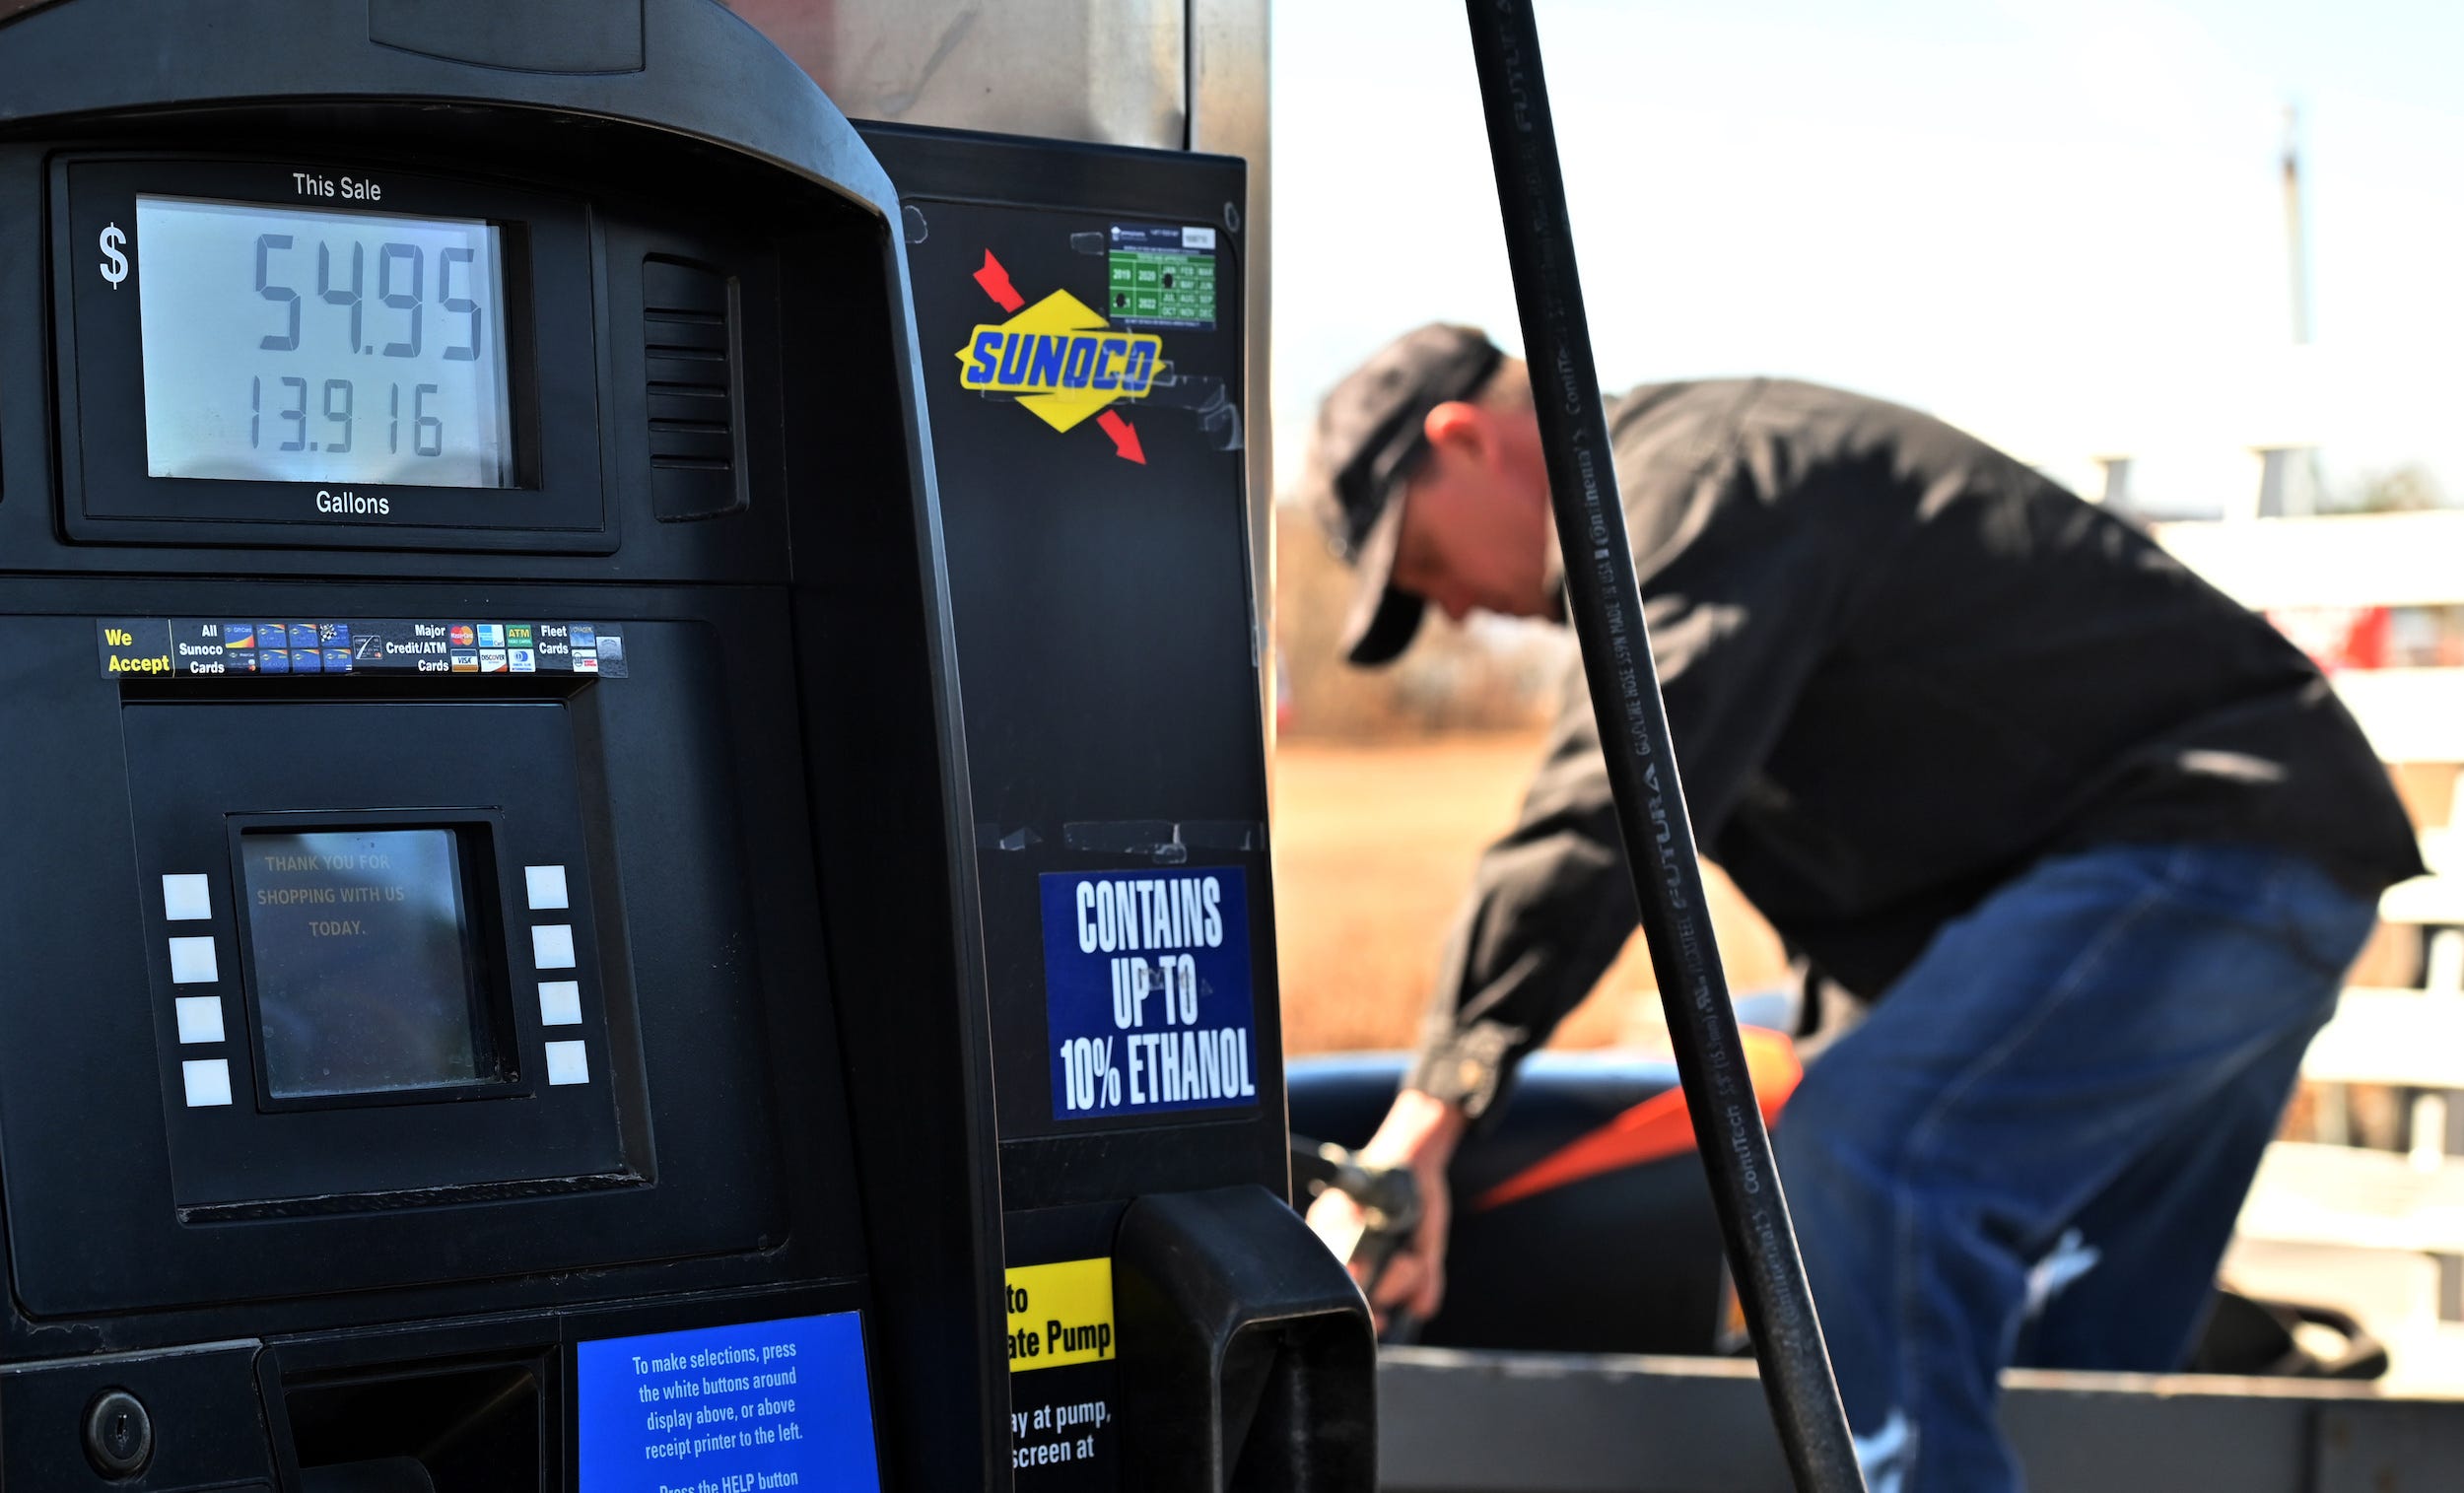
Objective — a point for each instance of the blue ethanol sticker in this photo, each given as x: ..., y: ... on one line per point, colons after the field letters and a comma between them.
x: 1146, y: 990
x: 768, y: 1404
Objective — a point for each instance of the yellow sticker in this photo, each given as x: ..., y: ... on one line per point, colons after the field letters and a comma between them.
x: 1060, y: 1314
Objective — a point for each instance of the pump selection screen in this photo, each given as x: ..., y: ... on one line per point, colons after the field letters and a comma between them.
x: 365, y: 969
x: 287, y: 345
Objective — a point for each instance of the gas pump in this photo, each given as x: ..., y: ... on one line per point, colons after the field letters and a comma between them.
x: 1174, y: 1325
x: 493, y: 998
x: 1089, y: 287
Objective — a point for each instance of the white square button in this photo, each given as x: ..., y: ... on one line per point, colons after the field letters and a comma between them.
x: 552, y: 946
x: 192, y: 960
x: 560, y: 1003
x: 208, y: 1080
x: 184, y: 898
x: 568, y: 1062
x: 200, y: 1018
x: 547, y: 887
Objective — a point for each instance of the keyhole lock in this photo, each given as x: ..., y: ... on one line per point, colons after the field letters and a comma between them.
x: 120, y: 1434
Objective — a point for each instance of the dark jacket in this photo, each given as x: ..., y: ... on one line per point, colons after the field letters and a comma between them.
x: 1901, y: 667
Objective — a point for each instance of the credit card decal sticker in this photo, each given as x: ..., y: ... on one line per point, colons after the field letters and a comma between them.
x: 208, y: 648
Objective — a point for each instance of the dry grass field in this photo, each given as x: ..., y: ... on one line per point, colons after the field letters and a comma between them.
x: 1374, y: 843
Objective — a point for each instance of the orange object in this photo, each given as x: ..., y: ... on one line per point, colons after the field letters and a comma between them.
x: 1658, y: 1128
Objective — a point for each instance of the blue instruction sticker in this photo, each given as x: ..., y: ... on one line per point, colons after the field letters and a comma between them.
x: 769, y: 1404
x: 1146, y: 991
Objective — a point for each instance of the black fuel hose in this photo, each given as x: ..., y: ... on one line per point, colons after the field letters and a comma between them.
x: 1606, y: 607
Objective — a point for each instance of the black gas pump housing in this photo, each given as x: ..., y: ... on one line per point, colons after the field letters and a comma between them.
x: 491, y: 951
x: 1079, y: 313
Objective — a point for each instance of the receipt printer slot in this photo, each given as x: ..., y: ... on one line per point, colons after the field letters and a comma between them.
x: 473, y: 1428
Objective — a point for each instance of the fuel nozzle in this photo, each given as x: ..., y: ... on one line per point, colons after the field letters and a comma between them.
x: 1389, y: 1199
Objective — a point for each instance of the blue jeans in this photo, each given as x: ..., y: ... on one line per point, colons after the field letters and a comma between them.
x: 2042, y: 1134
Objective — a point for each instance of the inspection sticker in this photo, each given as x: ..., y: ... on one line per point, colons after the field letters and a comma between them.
x: 1146, y: 990
x: 1162, y: 276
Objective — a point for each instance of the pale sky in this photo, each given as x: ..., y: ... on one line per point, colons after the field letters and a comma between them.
x: 2057, y: 223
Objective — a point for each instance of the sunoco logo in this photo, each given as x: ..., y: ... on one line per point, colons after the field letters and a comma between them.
x: 1061, y: 358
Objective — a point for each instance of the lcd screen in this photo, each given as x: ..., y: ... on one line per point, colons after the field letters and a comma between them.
x: 287, y: 345
x: 363, y: 961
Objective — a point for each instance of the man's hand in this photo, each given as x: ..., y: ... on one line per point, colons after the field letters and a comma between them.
x: 1420, y: 1132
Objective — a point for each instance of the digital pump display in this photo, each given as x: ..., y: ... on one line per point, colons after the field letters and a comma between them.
x: 281, y: 344
x: 365, y: 966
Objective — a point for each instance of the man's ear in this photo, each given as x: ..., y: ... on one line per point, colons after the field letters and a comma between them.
x: 1458, y: 424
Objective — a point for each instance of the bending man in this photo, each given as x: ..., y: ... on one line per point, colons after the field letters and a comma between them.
x: 2096, y: 841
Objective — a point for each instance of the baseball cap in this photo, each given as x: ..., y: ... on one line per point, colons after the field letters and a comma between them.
x: 1370, y: 431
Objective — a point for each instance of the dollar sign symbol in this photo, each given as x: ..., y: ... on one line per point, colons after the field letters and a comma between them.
x: 114, y: 264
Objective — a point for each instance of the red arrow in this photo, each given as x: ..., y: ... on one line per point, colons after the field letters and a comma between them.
x: 1125, y: 437
x: 996, y: 283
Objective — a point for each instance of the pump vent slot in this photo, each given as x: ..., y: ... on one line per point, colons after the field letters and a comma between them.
x: 689, y: 358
